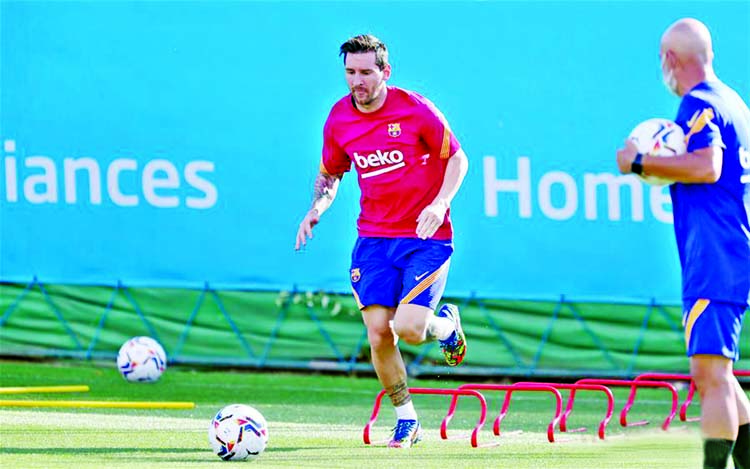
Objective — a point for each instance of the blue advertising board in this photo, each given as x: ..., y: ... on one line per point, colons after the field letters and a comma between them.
x: 176, y: 143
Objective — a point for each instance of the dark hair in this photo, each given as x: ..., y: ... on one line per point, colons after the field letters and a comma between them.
x: 366, y: 43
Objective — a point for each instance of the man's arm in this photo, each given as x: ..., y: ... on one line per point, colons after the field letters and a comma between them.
x: 324, y: 191
x: 698, y: 166
x: 703, y: 165
x: 433, y: 215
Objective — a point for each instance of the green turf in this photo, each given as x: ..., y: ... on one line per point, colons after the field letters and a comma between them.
x: 314, y: 421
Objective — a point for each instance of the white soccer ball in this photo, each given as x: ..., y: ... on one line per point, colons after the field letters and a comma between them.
x: 238, y: 432
x: 658, y: 137
x: 141, y: 359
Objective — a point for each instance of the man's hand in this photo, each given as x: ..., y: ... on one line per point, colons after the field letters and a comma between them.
x: 305, y: 228
x: 431, y: 218
x: 626, y: 155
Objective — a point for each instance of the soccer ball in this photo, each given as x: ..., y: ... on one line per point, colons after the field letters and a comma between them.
x: 658, y: 137
x: 238, y: 432
x: 141, y: 359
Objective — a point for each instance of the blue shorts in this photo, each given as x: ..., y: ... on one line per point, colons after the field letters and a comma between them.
x: 713, y: 328
x: 393, y: 271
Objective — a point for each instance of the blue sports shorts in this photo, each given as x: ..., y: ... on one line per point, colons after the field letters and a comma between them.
x: 393, y: 271
x: 713, y: 328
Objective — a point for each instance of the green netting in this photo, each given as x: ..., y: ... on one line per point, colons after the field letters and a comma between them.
x: 324, y: 331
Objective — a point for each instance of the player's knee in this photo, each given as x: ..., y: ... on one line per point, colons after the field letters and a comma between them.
x: 709, y: 377
x: 380, y: 336
x: 412, y: 334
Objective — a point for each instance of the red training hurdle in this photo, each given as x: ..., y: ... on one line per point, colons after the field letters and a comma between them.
x: 678, y: 377
x: 669, y: 377
x: 569, y: 408
x: 634, y: 383
x: 435, y: 391
x: 509, y: 388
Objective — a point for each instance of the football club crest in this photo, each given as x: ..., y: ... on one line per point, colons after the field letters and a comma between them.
x: 355, y: 275
x: 394, y: 130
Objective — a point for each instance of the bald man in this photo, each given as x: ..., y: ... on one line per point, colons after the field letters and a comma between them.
x: 711, y: 206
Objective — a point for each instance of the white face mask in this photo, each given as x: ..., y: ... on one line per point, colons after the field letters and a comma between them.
x: 668, y: 77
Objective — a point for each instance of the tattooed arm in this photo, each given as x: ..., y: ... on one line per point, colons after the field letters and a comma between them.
x: 324, y: 192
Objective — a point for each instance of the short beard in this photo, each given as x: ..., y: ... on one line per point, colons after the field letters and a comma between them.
x: 371, y: 99
x: 365, y: 103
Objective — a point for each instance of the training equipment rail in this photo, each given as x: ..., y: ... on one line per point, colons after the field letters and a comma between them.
x: 633, y: 383
x: 509, y: 389
x: 433, y: 391
x: 569, y: 408
x: 43, y: 389
x: 98, y: 404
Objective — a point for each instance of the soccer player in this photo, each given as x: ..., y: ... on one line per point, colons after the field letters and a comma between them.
x: 409, y: 167
x: 711, y: 206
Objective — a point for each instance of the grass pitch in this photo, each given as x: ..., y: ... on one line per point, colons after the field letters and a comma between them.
x: 316, y: 421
